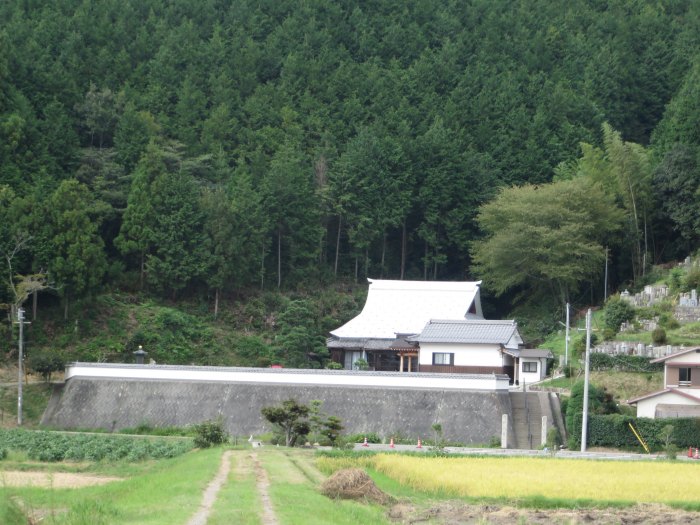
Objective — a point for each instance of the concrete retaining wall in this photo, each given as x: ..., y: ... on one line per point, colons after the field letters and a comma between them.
x: 469, y: 416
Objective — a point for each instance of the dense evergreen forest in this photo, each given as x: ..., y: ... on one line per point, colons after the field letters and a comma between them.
x: 200, y: 148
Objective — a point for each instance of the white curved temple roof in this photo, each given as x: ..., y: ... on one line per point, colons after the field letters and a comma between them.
x: 404, y: 307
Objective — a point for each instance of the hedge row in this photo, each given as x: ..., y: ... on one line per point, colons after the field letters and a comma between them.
x: 623, y: 363
x: 612, y: 430
x: 57, y: 446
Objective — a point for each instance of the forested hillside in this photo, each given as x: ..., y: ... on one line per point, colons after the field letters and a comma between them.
x: 201, y: 148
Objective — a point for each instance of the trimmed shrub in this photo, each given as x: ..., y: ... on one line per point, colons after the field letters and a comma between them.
x: 612, y: 430
x: 658, y: 336
x: 609, y: 334
x: 372, y: 437
x: 667, y: 321
x: 617, y: 311
x: 599, y: 402
x: 46, y: 364
x: 209, y: 434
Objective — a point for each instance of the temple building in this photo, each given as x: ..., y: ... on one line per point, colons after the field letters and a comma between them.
x: 437, y: 327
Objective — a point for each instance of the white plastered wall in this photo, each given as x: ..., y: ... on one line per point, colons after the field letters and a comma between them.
x: 647, y: 407
x: 465, y: 354
x: 532, y: 377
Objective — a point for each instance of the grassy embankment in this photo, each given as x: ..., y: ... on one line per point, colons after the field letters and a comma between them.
x: 35, y: 396
x: 154, y: 492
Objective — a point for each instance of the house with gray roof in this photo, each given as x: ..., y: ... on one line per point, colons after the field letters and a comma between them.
x: 479, y: 346
x: 437, y: 327
x: 395, y: 310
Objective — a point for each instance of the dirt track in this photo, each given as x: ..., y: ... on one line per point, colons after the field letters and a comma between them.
x: 461, y: 514
x: 212, y: 490
x: 58, y: 480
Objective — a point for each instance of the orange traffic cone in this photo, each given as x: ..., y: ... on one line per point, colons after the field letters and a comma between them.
x: 690, y: 452
x: 697, y: 454
x: 419, y: 444
x: 391, y: 444
x: 365, y: 444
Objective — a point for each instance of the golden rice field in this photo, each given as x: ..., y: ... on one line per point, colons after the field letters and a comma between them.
x: 551, y: 478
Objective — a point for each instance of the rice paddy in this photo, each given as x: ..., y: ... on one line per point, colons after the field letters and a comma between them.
x: 547, y: 478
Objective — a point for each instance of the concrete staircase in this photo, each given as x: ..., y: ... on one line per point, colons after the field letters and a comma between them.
x: 527, y: 412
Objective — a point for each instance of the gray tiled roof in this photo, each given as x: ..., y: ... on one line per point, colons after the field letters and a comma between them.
x: 536, y: 352
x: 477, y: 331
x: 359, y: 344
x: 530, y: 352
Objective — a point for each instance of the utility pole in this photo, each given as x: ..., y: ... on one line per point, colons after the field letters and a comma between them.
x: 20, y: 320
x: 584, y: 422
x: 566, y: 341
x: 605, y: 290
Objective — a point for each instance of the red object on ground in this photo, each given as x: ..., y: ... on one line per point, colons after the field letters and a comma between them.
x: 276, y: 366
x: 391, y: 445
x: 365, y: 444
x: 690, y: 452
x: 419, y: 444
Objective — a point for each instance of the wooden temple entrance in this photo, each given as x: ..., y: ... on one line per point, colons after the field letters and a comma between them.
x: 408, y: 361
x: 408, y: 354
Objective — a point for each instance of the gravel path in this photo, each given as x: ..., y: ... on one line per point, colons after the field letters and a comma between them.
x: 209, y: 496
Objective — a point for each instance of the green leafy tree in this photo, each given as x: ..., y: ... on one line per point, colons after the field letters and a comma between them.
x: 137, y: 235
x: 78, y: 260
x: 677, y: 186
x: 17, y: 283
x: 679, y: 123
x: 292, y: 209
x: 617, y: 311
x: 236, y: 226
x: 377, y: 198
x: 300, y: 342
x: 164, y: 223
x: 332, y: 428
x: 630, y: 166
x: 290, y: 418
x: 179, y: 251
x: 132, y: 135
x: 454, y: 183
x: 545, y: 237
x: 321, y: 424
x: 100, y: 113
x: 599, y: 402
x: 45, y: 364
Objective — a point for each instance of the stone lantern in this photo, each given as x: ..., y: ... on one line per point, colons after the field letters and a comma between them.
x: 140, y: 355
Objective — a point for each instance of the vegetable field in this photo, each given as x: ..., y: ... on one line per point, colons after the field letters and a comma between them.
x: 56, y: 446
